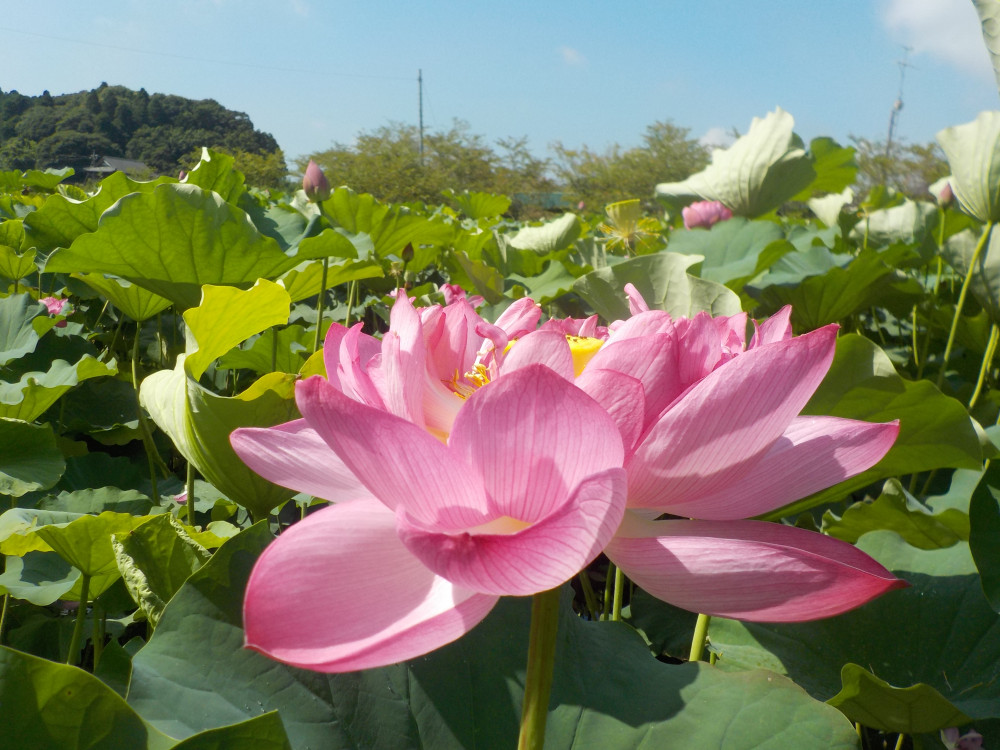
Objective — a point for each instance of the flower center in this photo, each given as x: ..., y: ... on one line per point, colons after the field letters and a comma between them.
x: 583, y: 348
x: 465, y: 385
x: 502, y: 525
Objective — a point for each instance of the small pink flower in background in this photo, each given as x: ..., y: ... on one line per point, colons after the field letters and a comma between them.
x: 55, y: 306
x: 454, y: 292
x: 314, y: 183
x: 971, y: 740
x: 704, y: 214
x: 181, y: 498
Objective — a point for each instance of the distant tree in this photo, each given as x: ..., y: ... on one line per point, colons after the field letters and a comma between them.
x: 38, y: 123
x: 17, y: 153
x: 596, y: 178
x: 387, y: 163
x: 908, y: 167
x: 70, y: 148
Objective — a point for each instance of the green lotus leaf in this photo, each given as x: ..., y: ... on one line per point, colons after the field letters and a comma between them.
x: 60, y: 220
x: 664, y: 283
x: 897, y: 511
x: 49, y: 706
x: 828, y: 208
x: 22, y: 322
x: 758, y: 173
x: 172, y: 241
x: 85, y: 543
x: 35, y: 392
x: 38, y: 577
x: 284, y: 350
x: 553, y: 282
x: 305, y: 279
x: 935, y: 430
x: 154, y: 560
x: 138, y: 303
x: 973, y: 152
x: 29, y: 458
x: 215, y: 172
x: 18, y: 527
x: 199, y: 423
x: 479, y: 205
x: 227, y: 316
x: 984, y: 539
x: 15, y: 265
x: 551, y: 236
x: 195, y: 674
x: 733, y: 250
x: 835, y: 166
x: 985, y: 285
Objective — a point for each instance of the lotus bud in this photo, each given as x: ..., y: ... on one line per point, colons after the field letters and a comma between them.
x: 947, y: 196
x: 55, y: 306
x: 704, y: 214
x: 315, y: 184
x: 407, y: 253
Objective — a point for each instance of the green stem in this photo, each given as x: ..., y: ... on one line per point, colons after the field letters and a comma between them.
x: 3, y: 614
x: 351, y: 291
x: 966, y: 282
x: 589, y: 596
x: 699, y: 637
x: 899, y: 741
x: 189, y: 488
x: 984, y: 368
x: 915, y: 343
x: 541, y: 664
x: 319, y: 307
x: 73, y: 657
x: 144, y: 431
x: 100, y: 622
x: 609, y: 583
x: 114, y: 338
x: 616, y: 612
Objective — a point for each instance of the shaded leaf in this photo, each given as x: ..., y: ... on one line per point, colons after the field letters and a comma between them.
x: 29, y: 458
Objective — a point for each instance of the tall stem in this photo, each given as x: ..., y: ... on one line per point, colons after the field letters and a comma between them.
x: 541, y: 664
x: 319, y: 306
x: 189, y: 489
x: 699, y: 637
x: 73, y: 657
x: 966, y: 282
x: 984, y: 368
x: 3, y: 614
x: 144, y: 431
x: 616, y: 611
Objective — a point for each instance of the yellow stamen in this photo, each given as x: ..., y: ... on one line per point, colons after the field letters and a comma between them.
x: 583, y: 348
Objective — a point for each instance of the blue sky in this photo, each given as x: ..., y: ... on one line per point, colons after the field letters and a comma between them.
x: 313, y: 73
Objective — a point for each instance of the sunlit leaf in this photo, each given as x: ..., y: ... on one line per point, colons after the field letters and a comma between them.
x: 549, y: 237
x: 35, y: 392
x: 138, y: 303
x: 973, y: 152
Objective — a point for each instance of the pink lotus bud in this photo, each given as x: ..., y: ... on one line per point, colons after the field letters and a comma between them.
x: 181, y: 498
x: 971, y: 740
x: 407, y: 253
x: 315, y: 184
x: 182, y: 175
x: 947, y: 196
x: 55, y: 306
x: 704, y: 214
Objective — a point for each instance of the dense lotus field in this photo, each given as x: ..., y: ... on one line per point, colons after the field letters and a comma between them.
x: 719, y: 519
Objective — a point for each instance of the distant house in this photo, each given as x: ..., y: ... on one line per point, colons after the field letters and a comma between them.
x: 102, y: 166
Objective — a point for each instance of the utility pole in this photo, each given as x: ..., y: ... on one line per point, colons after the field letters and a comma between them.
x: 898, y: 104
x: 420, y: 91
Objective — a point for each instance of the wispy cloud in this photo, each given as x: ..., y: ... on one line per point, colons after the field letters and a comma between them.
x: 300, y: 7
x: 717, y: 138
x: 948, y: 30
x: 572, y: 56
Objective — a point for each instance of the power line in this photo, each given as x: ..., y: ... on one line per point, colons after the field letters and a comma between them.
x: 174, y: 55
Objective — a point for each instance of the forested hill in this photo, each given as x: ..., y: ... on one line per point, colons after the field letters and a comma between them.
x: 157, y: 129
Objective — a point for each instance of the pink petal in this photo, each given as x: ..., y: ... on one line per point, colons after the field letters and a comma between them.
x: 400, y: 463
x: 400, y: 374
x: 644, y: 324
x: 546, y: 347
x: 636, y: 303
x: 813, y: 454
x: 748, y: 570
x: 776, y: 328
x: 621, y: 396
x: 535, y: 558
x: 293, y: 455
x: 338, y: 592
x: 331, y: 352
x: 724, y: 423
x: 358, y: 357
x: 520, y: 318
x: 533, y: 436
x: 652, y: 360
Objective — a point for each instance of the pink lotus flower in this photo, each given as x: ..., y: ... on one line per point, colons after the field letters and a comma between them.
x: 454, y: 292
x: 704, y: 214
x: 710, y: 432
x: 314, y: 183
x: 55, y: 306
x: 528, y: 489
x: 971, y: 740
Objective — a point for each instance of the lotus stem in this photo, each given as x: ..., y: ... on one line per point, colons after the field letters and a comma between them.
x: 541, y: 668
x: 608, y: 591
x: 984, y: 368
x: 966, y: 283
x: 144, y: 431
x: 100, y: 621
x: 319, y: 307
x: 3, y: 614
x: 73, y: 657
x: 351, y: 291
x: 189, y: 490
x: 899, y: 741
x: 616, y: 611
x: 589, y: 596
x: 699, y: 637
